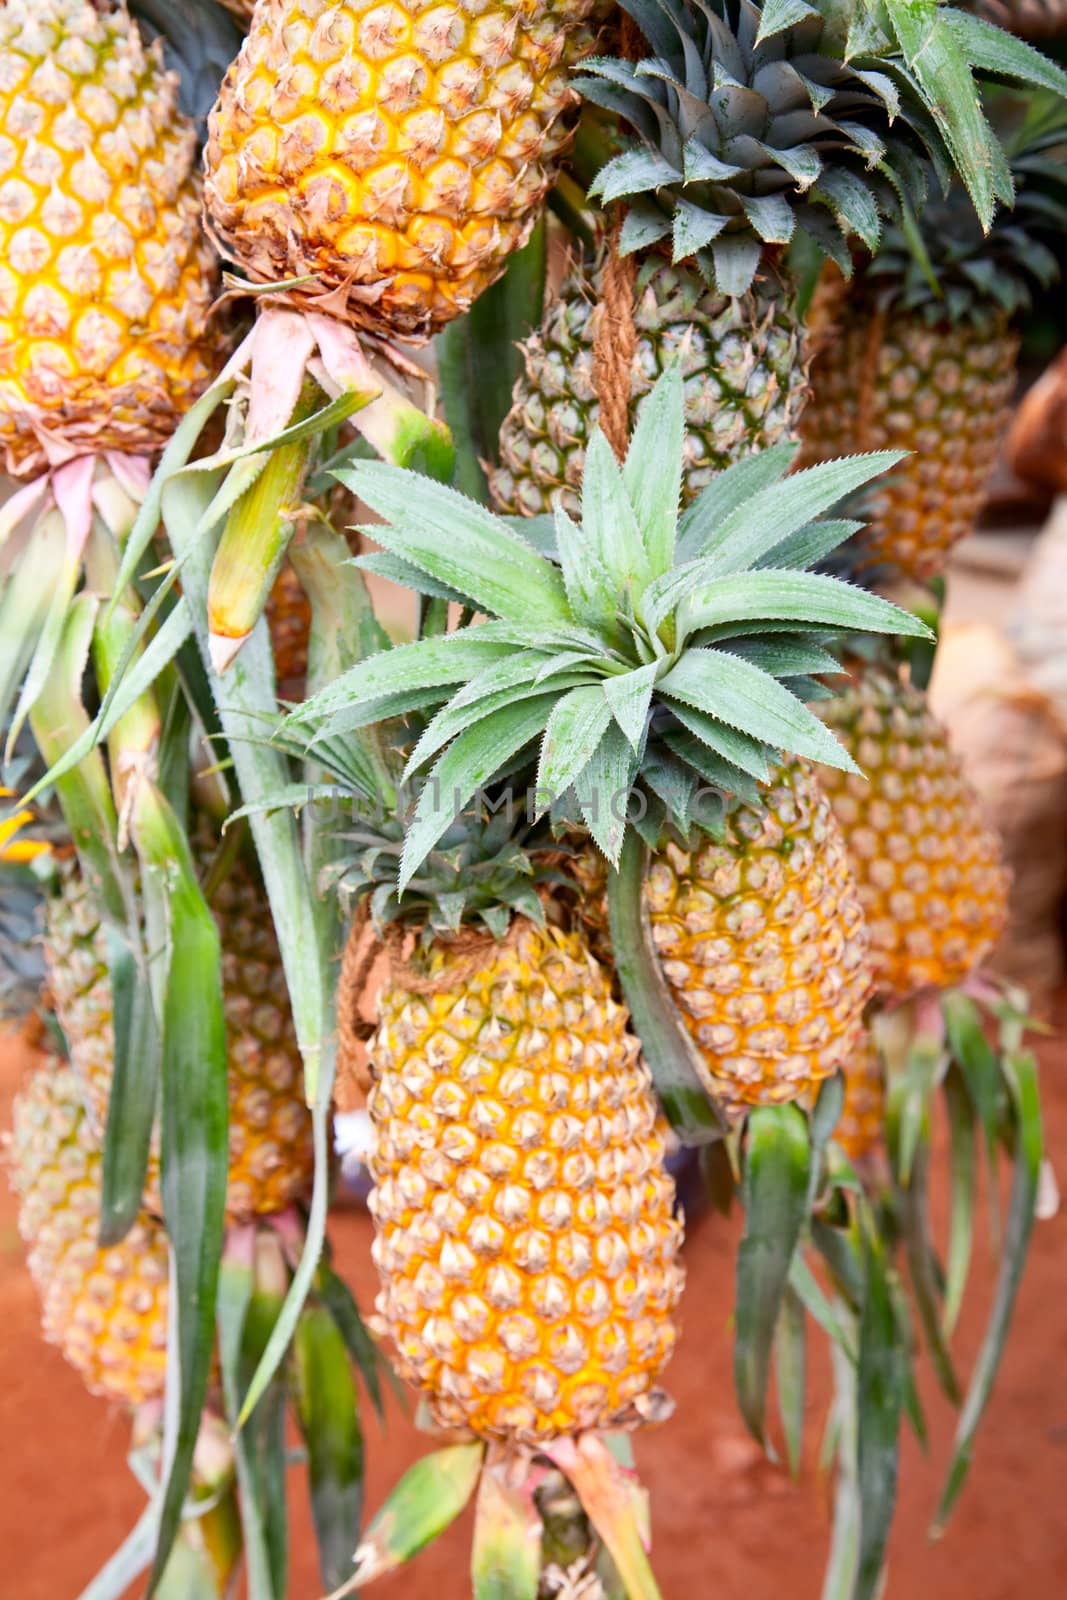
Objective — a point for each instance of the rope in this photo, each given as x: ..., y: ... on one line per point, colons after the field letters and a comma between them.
x: 353, y: 1029
x: 615, y: 345
x: 464, y: 954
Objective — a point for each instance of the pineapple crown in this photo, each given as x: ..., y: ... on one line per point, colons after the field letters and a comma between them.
x: 752, y: 121
x: 642, y: 656
x: 485, y: 868
x: 961, y: 272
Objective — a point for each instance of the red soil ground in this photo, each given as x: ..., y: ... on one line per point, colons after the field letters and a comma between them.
x: 726, y: 1523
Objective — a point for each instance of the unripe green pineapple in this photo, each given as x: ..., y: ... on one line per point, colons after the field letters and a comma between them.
x: 742, y: 357
x: 106, y: 1309
x: 271, y: 1158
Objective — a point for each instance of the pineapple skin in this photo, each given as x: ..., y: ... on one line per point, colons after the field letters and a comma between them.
x: 927, y: 865
x: 106, y: 278
x: 396, y: 151
x: 743, y: 359
x: 861, y: 1126
x: 105, y: 1309
x: 525, y: 1240
x: 289, y: 620
x: 763, y: 944
x: 271, y: 1155
x: 940, y: 390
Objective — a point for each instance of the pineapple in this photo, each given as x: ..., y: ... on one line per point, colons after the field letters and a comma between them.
x: 861, y: 1126
x: 742, y: 393
x: 639, y: 678
x: 289, y: 618
x: 271, y: 1156
x: 931, y: 366
x: 106, y: 1309
x: 745, y: 131
x: 525, y: 1238
x: 106, y: 279
x: 928, y: 868
x: 397, y: 154
x: 761, y: 939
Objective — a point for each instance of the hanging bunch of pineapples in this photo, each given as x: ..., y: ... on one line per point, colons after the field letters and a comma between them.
x: 644, y: 818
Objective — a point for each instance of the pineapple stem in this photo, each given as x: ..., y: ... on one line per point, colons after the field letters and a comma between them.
x: 669, y: 1051
x: 256, y: 537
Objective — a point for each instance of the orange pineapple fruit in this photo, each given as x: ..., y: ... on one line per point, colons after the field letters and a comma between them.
x: 106, y: 279
x: 927, y: 865
x: 525, y: 1239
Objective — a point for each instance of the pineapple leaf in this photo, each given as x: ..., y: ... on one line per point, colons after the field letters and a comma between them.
x: 427, y: 664
x: 810, y: 544
x: 469, y: 762
x: 337, y: 1297
x: 327, y: 1408
x: 729, y: 743
x: 992, y: 49
x: 714, y: 769
x: 724, y: 686
x: 880, y: 1399
x: 409, y: 576
x: 457, y: 715
x: 131, y: 1106
x: 776, y: 15
x: 1020, y: 1071
x: 634, y: 169
x: 790, y: 1341
x: 459, y: 543
x: 429, y: 1497
x: 590, y: 588
x: 736, y: 259
x: 652, y: 474
x: 774, y: 1195
x: 609, y: 523
x: 944, y: 77
x: 772, y: 514
x: 193, y: 1134
x: 604, y: 787
x: 783, y: 657
x: 576, y: 725
x: 963, y: 1167
x: 630, y: 696
x: 807, y: 597
x: 236, y: 1283
x: 506, y: 1549
x: 726, y: 493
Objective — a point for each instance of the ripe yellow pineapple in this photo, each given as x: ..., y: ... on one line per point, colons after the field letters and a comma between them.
x: 762, y: 942
x: 105, y: 1309
x: 395, y: 152
x: 922, y: 358
x: 861, y: 1126
x: 271, y: 1158
x: 106, y: 278
x: 525, y: 1237
x: 894, y: 379
x: 928, y: 868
